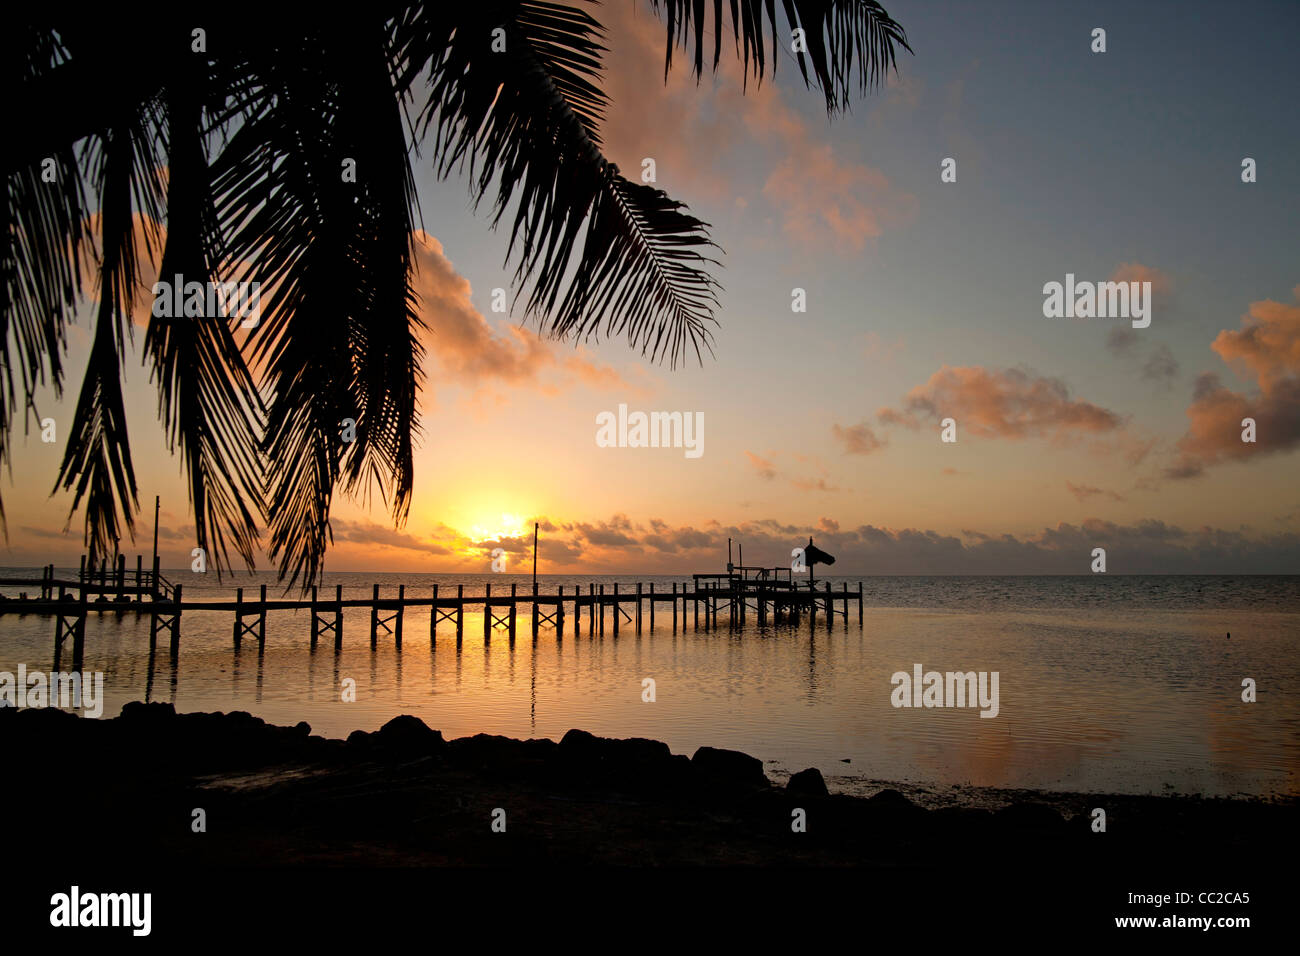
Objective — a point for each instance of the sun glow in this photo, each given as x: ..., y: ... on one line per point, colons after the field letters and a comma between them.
x: 510, y: 526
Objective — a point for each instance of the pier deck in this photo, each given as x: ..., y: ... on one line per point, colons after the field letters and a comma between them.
x: 728, y: 597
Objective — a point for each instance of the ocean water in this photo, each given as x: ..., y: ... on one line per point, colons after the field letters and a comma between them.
x: 1105, y: 682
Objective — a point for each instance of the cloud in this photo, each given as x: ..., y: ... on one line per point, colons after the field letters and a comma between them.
x: 823, y: 199
x: 1083, y: 492
x: 1010, y: 403
x: 1121, y: 339
x: 1161, y: 283
x: 1160, y: 367
x: 830, y: 203
x: 468, y: 350
x: 764, y: 467
x: 1264, y: 351
x: 382, y: 536
x: 814, y: 484
x: 1146, y: 546
x: 857, y: 439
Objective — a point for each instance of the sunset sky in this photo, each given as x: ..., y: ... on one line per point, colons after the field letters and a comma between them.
x: 924, y: 302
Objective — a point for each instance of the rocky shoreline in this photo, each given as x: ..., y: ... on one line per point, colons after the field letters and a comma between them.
x: 277, y: 796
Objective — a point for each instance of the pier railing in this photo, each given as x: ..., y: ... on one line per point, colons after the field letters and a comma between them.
x: 729, y: 597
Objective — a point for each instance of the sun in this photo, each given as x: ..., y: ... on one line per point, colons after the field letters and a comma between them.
x: 509, y: 526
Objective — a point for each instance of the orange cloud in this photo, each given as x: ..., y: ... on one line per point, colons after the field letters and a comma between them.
x: 823, y: 199
x: 1010, y: 403
x: 765, y: 468
x: 1083, y: 492
x: 469, y: 350
x: 1161, y: 284
x: 838, y: 204
x: 1266, y: 352
x: 857, y: 439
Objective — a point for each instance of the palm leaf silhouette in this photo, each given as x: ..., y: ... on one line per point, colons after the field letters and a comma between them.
x: 227, y: 156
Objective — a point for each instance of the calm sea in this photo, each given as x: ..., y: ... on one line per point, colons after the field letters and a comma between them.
x: 1106, y: 682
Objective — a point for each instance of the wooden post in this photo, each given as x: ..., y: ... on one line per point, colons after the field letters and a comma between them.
x: 514, y: 604
x: 559, y: 614
x: 338, y: 617
x: 315, y: 631
x: 617, y: 609
x: 534, y: 609
x: 79, y: 634
x: 695, y: 596
x: 121, y: 576
x: 487, y: 613
x: 58, y: 633
x: 652, y: 606
x: 591, y: 608
x: 81, y: 575
x: 239, y: 616
x: 374, y: 618
x: 674, y: 607
x: 157, y: 506
x: 638, y: 607
x: 460, y: 614
x: 176, y: 622
x: 602, y: 609
x: 261, y: 622
x: 139, y: 576
x: 401, y: 609
x: 859, y: 604
x: 433, y: 618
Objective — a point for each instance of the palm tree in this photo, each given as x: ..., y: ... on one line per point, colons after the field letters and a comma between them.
x: 220, y: 135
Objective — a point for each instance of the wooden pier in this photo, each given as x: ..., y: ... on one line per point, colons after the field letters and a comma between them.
x: 722, y: 599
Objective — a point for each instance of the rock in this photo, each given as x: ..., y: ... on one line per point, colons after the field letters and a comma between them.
x: 138, y: 710
x: 503, y: 758
x: 809, y: 782
x: 729, y: 767
x: 410, y: 735
x: 630, y: 762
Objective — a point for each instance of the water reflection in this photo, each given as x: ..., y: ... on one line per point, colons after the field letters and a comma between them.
x: 1092, y: 698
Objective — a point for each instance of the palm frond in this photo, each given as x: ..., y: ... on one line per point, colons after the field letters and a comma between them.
x: 41, y: 244
x: 97, y: 459
x: 339, y: 333
x: 207, y: 399
x: 851, y: 44
x: 528, y: 119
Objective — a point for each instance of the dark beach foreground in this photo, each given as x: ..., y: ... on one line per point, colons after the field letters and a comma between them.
x: 108, y: 796
x: 404, y: 795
